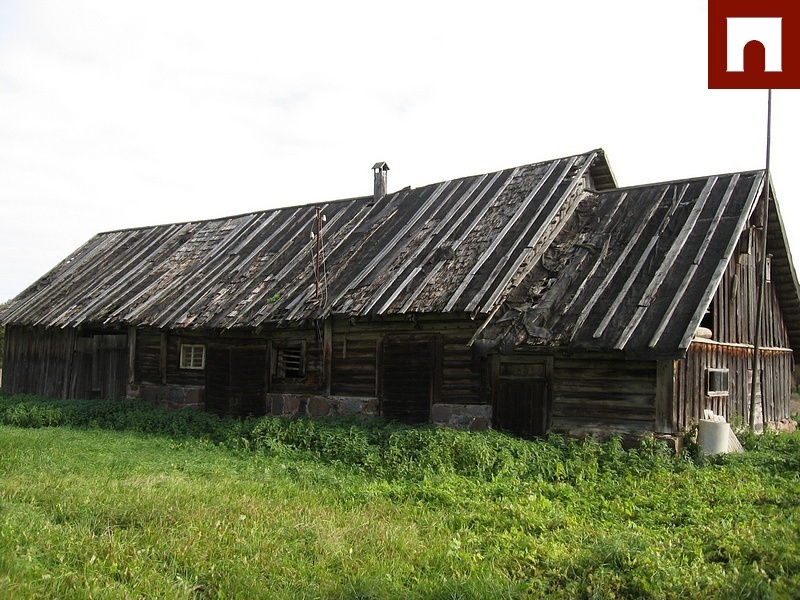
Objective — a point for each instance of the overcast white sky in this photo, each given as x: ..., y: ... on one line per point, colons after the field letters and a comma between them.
x: 123, y: 114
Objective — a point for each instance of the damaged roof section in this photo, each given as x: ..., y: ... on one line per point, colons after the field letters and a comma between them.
x: 634, y: 269
x: 455, y: 246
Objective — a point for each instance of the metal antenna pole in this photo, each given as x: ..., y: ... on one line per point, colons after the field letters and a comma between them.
x: 756, y: 378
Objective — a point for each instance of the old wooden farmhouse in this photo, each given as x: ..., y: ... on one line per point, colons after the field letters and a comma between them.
x: 535, y: 298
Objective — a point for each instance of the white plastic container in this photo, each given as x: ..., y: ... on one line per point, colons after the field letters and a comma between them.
x: 712, y: 436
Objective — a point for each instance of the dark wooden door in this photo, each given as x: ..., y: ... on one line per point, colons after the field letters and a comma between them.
x: 236, y: 380
x: 521, y: 408
x: 522, y: 405
x: 407, y: 380
x: 100, y: 367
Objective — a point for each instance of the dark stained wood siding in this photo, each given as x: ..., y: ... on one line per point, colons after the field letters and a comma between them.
x: 522, y: 402
x: 465, y: 376
x: 176, y: 375
x: 237, y: 379
x: 310, y: 341
x: 355, y: 345
x: 37, y: 360
x: 106, y: 358
x: 603, y: 393
x: 148, y: 367
x: 60, y: 363
x: 353, y: 363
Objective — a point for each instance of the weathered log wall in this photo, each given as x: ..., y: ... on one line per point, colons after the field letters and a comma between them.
x: 36, y: 360
x: 733, y: 311
x: 341, y: 360
x: 732, y: 319
x: 356, y: 345
x: 772, y: 396
x: 602, y: 395
x: 63, y: 363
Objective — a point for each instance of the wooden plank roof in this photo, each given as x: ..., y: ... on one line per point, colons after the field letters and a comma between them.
x: 585, y: 264
x: 447, y: 247
x: 636, y: 269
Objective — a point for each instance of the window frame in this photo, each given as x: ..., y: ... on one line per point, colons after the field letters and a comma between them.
x: 716, y: 390
x: 297, y: 351
x: 187, y: 362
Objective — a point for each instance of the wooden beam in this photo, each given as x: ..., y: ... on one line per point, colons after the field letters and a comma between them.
x: 665, y: 394
x: 163, y: 357
x: 327, y: 354
x: 131, y: 354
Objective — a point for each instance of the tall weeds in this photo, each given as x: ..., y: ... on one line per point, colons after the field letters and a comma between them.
x: 343, y: 508
x: 373, y: 447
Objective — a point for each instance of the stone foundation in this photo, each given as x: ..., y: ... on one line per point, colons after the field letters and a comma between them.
x: 296, y: 405
x: 783, y: 426
x: 475, y: 417
x: 458, y: 416
x: 169, y: 396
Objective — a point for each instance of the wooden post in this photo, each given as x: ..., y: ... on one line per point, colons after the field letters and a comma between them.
x: 327, y: 354
x: 665, y: 393
x: 163, y: 358
x: 379, y: 367
x: 761, y: 281
x: 131, y: 355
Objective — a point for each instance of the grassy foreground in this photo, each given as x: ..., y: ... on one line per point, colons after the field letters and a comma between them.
x: 122, y: 500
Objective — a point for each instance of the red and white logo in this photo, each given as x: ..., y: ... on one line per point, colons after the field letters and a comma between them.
x: 753, y: 44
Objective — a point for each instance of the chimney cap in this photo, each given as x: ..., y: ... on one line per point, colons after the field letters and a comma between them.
x: 380, y: 166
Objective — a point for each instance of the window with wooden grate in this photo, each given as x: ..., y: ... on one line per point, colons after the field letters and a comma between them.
x: 289, y: 362
x: 193, y: 356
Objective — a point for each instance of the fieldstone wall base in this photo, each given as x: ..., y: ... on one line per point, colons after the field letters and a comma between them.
x: 296, y: 405
x: 169, y: 396
x: 475, y: 417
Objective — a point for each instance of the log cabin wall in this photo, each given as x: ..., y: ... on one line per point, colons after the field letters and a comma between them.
x: 367, y: 362
x: 597, y: 395
x: 731, y: 319
x: 355, y: 348
x: 37, y: 360
x: 157, y: 376
x: 692, y: 391
x: 240, y: 370
x: 333, y: 368
x: 65, y: 363
x: 732, y: 314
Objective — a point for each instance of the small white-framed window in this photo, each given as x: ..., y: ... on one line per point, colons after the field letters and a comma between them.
x: 717, y: 381
x: 193, y: 356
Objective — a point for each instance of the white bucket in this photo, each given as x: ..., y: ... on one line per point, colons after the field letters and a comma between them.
x: 712, y: 436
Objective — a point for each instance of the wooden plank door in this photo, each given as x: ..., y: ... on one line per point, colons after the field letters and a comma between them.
x: 100, y: 367
x: 236, y: 380
x: 407, y: 371
x: 522, y: 404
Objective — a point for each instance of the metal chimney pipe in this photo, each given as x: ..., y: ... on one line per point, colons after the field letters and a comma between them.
x: 379, y: 171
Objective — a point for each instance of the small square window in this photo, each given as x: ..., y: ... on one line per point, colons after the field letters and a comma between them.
x: 717, y: 382
x: 193, y: 356
x: 289, y: 363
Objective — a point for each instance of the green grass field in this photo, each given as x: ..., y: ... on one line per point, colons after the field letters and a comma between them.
x: 126, y: 501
